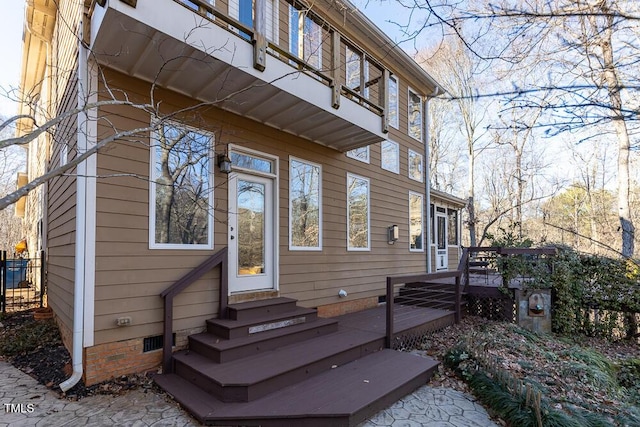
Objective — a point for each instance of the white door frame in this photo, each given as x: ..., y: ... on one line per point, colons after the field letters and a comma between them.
x: 253, y: 281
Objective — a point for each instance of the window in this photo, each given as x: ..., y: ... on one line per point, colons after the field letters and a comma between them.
x: 415, y: 116
x: 357, y: 213
x: 432, y: 222
x: 251, y: 162
x: 416, y: 235
x: 242, y: 10
x: 354, y: 68
x: 393, y: 102
x: 305, y: 205
x: 390, y: 156
x: 452, y: 224
x: 181, y: 189
x: 361, y: 154
x: 415, y: 166
x: 305, y: 37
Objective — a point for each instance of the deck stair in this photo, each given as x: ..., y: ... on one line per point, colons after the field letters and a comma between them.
x: 274, y: 363
x: 430, y: 295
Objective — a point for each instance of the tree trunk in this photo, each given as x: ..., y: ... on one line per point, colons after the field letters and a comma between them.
x: 620, y: 126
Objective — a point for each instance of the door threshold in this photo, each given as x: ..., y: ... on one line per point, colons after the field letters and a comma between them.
x: 239, y: 297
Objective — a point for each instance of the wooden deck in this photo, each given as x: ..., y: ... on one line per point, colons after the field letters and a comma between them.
x: 292, y: 376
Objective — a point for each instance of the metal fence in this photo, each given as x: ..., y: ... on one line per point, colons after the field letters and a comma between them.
x: 22, y: 282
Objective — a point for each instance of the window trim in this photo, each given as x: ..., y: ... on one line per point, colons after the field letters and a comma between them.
x: 152, y: 194
x: 395, y: 123
x: 306, y: 248
x: 368, y: 247
x: 397, y: 165
x: 421, y: 196
x: 353, y: 156
x: 409, y: 93
x: 409, y: 165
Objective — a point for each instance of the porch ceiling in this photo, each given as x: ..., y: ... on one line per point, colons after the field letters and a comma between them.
x: 214, y: 66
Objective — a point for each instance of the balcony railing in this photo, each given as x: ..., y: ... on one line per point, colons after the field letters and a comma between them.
x: 324, y: 54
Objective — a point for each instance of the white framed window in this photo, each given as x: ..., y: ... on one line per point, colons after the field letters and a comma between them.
x: 393, y: 112
x: 415, y: 166
x: 181, y: 188
x: 452, y: 225
x: 248, y: 160
x: 305, y: 205
x: 305, y: 37
x: 416, y: 222
x: 358, y: 238
x: 415, y: 115
x: 361, y: 154
x: 390, y: 156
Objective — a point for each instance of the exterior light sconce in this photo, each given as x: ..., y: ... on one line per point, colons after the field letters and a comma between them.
x: 393, y: 234
x: 224, y: 163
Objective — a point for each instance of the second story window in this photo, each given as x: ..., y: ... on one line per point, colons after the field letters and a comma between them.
x: 305, y: 37
x: 355, y: 69
x: 242, y: 10
x: 393, y: 102
x: 415, y: 116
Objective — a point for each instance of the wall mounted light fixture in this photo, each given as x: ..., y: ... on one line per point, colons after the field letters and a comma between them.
x: 393, y: 234
x: 224, y: 163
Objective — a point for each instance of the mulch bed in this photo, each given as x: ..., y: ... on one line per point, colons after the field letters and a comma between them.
x: 46, y: 359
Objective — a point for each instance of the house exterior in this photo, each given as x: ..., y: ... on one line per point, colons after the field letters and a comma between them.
x: 290, y: 134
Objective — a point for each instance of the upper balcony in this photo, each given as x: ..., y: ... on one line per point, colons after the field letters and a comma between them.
x: 274, y: 61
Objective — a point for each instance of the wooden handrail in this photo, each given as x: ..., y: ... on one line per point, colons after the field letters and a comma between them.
x: 396, y: 280
x: 220, y: 258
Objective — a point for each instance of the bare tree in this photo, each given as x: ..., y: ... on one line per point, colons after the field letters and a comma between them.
x: 583, y: 55
x: 455, y: 68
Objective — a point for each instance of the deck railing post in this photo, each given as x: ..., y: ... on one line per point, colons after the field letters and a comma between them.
x: 224, y: 287
x: 43, y: 277
x: 389, y: 323
x: 458, y: 300
x: 3, y: 281
x: 167, y: 335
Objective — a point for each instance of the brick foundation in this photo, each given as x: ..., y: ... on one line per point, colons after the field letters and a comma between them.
x: 344, y: 307
x: 105, y: 361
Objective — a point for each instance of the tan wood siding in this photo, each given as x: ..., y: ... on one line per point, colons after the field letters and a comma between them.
x: 130, y: 276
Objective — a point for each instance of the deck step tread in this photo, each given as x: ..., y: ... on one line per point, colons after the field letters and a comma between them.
x: 222, y: 344
x: 223, y: 350
x: 261, y: 367
x: 252, y: 309
x: 236, y: 324
x: 350, y: 392
x: 261, y: 303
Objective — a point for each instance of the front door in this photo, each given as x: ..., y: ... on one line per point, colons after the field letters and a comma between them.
x: 251, y: 233
x: 441, y: 242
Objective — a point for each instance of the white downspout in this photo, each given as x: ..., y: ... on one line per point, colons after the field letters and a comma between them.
x: 427, y: 178
x: 81, y: 226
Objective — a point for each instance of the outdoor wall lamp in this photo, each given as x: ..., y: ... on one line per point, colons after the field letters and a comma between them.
x: 224, y: 163
x: 393, y: 234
